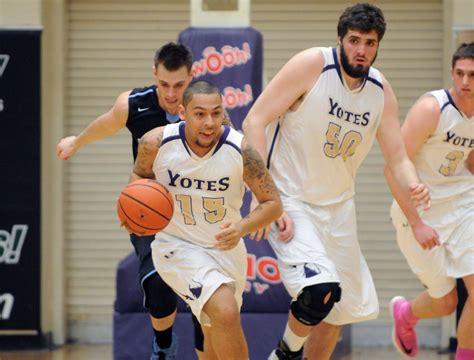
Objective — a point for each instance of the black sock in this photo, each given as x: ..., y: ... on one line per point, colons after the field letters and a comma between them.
x: 163, y: 338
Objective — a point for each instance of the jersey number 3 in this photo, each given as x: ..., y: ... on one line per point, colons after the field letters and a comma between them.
x: 346, y: 148
x: 454, y: 157
x: 215, y: 209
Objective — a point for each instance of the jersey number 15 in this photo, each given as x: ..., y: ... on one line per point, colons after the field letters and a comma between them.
x: 215, y: 209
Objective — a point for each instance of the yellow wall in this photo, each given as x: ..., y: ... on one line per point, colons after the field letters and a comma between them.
x: 52, y: 112
x: 463, y: 14
x: 463, y: 22
x: 17, y: 13
x: 458, y: 25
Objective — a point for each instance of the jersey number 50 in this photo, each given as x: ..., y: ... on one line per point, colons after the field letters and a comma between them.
x: 346, y: 148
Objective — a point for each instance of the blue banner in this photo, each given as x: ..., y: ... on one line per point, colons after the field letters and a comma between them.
x: 232, y: 59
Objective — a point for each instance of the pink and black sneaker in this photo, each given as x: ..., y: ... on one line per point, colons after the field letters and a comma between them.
x: 403, y: 334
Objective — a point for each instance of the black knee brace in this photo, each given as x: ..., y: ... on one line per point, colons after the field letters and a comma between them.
x: 312, y: 306
x: 160, y: 300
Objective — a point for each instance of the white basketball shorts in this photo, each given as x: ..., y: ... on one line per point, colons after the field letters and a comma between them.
x: 325, y: 248
x: 195, y: 273
x: 439, y: 267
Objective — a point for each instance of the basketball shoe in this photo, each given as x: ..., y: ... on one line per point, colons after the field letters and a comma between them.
x: 403, y: 333
x: 164, y: 354
x: 283, y: 353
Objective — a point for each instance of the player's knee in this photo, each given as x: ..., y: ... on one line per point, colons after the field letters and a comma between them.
x: 225, y: 314
x: 160, y: 300
x: 315, y: 302
x: 221, y: 307
x: 448, y: 303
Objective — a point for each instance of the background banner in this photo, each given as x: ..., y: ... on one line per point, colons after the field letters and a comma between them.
x: 20, y: 187
x: 232, y: 59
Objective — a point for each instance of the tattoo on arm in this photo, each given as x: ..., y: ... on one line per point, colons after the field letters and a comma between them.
x: 148, y: 147
x: 254, y: 169
x: 259, y: 208
x: 158, y: 138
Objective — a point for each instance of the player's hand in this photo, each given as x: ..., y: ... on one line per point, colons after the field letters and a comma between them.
x: 285, y: 228
x: 66, y: 148
x: 426, y: 236
x: 260, y: 234
x: 228, y: 237
x: 420, y: 195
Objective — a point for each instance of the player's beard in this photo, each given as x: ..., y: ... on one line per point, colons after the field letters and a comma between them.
x: 207, y: 146
x: 354, y: 71
x: 204, y: 146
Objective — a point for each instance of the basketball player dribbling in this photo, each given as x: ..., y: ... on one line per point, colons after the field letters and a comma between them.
x: 201, y: 254
x: 323, y: 110
x: 439, y: 137
x: 140, y: 110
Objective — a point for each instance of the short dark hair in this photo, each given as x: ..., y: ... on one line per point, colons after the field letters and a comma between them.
x: 465, y: 51
x: 173, y: 56
x: 364, y: 17
x: 199, y: 87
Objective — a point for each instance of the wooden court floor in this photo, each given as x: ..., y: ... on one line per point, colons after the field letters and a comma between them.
x: 104, y: 352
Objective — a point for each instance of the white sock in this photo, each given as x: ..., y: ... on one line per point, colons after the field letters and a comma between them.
x: 294, y: 342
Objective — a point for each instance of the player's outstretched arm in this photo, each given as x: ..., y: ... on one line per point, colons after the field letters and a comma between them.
x: 104, y: 126
x: 148, y: 147
x: 401, y: 173
x: 258, y: 179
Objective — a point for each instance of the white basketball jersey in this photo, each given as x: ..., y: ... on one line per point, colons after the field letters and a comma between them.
x: 207, y: 191
x: 441, y: 160
x: 315, y: 151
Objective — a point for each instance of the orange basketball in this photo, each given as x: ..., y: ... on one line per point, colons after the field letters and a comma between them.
x: 145, y: 207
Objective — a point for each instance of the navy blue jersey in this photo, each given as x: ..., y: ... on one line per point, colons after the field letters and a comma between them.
x: 145, y: 113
